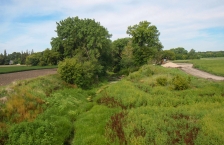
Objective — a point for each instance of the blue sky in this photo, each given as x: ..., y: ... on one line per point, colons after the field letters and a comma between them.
x: 30, y: 24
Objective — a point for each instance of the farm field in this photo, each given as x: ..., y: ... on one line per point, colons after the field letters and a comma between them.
x: 13, y: 68
x: 211, y: 65
x: 154, y: 105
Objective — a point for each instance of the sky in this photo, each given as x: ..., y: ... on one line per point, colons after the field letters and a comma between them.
x: 191, y: 24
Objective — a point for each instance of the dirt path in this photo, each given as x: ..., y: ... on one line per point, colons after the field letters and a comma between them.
x: 188, y: 68
x: 6, y: 79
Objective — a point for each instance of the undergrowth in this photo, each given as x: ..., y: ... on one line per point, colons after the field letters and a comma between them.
x: 154, y: 105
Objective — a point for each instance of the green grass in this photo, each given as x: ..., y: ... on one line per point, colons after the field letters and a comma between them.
x: 211, y: 65
x: 9, y: 69
x: 136, y: 110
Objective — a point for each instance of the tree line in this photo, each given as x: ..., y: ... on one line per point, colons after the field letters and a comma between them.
x: 14, y: 58
x: 84, y: 51
x: 180, y: 53
x: 46, y: 57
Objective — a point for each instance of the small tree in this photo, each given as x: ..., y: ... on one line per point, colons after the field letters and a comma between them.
x: 33, y: 59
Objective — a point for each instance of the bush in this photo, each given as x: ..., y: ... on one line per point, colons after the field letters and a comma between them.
x: 42, y: 63
x: 161, y: 81
x: 146, y: 70
x: 83, y: 74
x: 40, y: 132
x: 180, y: 83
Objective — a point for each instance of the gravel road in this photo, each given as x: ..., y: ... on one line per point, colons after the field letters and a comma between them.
x: 188, y: 68
x: 6, y: 79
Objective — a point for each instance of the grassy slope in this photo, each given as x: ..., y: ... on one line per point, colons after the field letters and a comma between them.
x: 211, y: 65
x: 136, y: 110
x: 10, y: 69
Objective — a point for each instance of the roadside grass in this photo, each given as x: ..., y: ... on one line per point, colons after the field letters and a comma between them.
x: 10, y: 69
x: 211, y: 65
x: 143, y: 108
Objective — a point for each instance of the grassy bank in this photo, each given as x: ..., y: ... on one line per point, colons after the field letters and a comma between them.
x: 154, y: 105
x: 211, y: 65
x: 9, y: 69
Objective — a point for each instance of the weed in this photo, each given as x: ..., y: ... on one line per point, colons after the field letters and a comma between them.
x: 110, y: 102
x: 162, y: 81
x: 114, y: 128
x: 180, y: 83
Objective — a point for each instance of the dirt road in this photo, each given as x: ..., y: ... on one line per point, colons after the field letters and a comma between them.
x: 6, y: 79
x: 188, y: 68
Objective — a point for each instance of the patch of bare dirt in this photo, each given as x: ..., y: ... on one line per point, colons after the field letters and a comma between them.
x: 188, y: 68
x: 6, y: 79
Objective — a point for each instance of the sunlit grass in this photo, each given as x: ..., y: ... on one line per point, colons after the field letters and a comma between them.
x: 10, y: 69
x: 211, y: 65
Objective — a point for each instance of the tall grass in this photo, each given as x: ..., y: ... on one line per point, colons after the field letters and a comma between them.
x: 214, y: 66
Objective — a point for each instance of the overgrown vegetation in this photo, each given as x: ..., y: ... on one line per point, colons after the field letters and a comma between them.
x: 153, y: 105
x: 143, y: 108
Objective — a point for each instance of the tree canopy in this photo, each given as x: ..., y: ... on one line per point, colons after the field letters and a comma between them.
x: 146, y: 38
x: 82, y: 42
x: 85, y: 36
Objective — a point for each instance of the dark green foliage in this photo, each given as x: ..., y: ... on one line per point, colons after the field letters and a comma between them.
x: 146, y: 38
x: 42, y: 63
x: 180, y: 83
x: 209, y: 54
x: 118, y: 47
x: 89, y: 43
x: 47, y: 57
x: 82, y: 35
x: 14, y: 58
x: 180, y: 53
x: 33, y: 59
x: 83, y: 74
x: 162, y: 81
x: 168, y: 54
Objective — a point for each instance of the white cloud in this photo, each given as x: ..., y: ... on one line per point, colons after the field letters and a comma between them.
x: 179, y: 21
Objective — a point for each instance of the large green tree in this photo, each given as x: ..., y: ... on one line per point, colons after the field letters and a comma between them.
x: 146, y: 38
x: 83, y: 42
x: 82, y: 36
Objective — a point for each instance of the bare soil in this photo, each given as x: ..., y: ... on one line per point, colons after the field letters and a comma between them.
x: 6, y: 79
x: 188, y: 68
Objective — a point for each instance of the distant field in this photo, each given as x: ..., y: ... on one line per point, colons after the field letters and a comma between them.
x: 211, y: 65
x: 14, y: 68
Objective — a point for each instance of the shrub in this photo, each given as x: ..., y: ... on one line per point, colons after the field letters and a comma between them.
x: 161, y: 81
x: 146, y: 70
x: 82, y: 74
x: 180, y: 83
x: 42, y: 63
x: 40, y: 132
